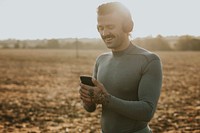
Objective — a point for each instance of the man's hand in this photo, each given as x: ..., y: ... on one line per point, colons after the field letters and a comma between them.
x: 96, y: 94
x: 87, y: 102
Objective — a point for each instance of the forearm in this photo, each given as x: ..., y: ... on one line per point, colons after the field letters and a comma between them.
x: 137, y: 110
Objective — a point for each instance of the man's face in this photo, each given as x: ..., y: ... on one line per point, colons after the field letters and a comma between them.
x: 111, y: 31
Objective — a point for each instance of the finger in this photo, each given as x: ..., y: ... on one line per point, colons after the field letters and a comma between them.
x: 85, y: 99
x: 85, y: 87
x: 82, y: 90
x: 96, y: 83
x: 89, y: 91
x: 85, y: 95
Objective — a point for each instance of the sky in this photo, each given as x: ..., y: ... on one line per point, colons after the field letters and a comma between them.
x: 45, y: 19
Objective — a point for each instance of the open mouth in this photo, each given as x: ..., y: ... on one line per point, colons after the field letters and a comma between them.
x: 109, y: 39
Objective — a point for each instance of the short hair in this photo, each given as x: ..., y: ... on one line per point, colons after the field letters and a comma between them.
x: 112, y: 7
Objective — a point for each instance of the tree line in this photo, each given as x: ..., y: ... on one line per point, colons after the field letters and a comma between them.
x: 158, y: 43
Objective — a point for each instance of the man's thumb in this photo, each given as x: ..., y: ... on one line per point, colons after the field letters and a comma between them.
x: 95, y: 82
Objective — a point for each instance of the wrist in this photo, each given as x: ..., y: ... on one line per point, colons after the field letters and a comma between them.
x: 107, y: 99
x: 102, y: 98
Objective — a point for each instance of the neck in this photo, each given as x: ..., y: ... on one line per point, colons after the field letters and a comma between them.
x: 123, y: 46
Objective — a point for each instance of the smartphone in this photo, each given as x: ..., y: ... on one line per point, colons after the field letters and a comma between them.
x: 86, y: 80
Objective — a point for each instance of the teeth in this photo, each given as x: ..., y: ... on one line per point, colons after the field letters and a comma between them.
x: 108, y: 39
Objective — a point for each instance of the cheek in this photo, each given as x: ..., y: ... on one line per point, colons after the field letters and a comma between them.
x: 118, y: 30
x: 118, y: 34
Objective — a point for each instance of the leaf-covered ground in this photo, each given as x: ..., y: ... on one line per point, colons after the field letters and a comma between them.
x: 39, y: 92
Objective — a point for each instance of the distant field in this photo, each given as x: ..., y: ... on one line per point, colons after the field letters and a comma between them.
x: 39, y: 92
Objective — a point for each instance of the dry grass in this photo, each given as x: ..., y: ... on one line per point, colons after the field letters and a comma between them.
x: 39, y: 92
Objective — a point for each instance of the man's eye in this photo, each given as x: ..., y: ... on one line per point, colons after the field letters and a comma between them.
x: 100, y: 28
x: 111, y: 27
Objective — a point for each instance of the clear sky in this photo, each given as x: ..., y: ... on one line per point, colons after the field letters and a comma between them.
x: 39, y: 19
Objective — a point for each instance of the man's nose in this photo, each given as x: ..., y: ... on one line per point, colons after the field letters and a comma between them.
x: 105, y: 32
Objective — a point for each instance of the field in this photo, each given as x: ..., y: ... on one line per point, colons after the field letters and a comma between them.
x: 39, y: 92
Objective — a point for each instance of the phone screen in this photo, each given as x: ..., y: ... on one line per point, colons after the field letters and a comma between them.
x: 87, y: 80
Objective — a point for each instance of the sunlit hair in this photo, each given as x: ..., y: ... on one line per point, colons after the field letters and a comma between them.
x: 112, y: 7
x: 123, y: 12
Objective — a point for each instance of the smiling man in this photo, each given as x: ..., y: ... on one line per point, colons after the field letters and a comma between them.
x: 127, y: 80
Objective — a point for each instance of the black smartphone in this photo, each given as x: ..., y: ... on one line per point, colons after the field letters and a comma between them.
x: 86, y: 80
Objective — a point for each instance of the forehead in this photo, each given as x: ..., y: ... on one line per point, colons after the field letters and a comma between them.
x: 107, y: 19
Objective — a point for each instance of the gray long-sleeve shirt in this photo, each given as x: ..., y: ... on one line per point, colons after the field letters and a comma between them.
x: 133, y: 77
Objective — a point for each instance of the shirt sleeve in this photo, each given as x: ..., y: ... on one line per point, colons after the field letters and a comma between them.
x: 148, y: 95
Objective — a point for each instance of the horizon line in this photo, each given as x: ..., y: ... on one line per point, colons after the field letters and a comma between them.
x: 131, y: 38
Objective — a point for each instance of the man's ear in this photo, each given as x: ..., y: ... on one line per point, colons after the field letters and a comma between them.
x: 128, y: 25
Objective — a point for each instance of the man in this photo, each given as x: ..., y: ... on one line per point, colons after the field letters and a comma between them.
x: 127, y: 80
